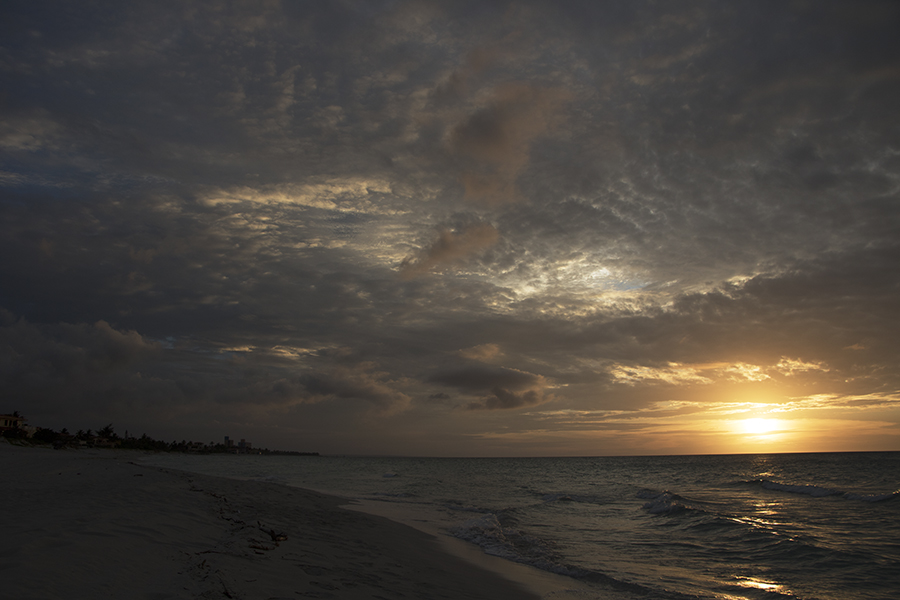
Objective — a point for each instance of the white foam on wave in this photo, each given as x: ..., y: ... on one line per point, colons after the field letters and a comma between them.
x: 873, y: 497
x: 485, y: 531
x: 822, y: 492
x: 664, y: 503
x: 810, y: 490
x: 512, y: 544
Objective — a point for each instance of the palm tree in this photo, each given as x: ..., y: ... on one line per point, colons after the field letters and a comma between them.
x: 107, y: 432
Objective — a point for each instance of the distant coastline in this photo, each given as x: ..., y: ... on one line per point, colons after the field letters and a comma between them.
x: 106, y: 437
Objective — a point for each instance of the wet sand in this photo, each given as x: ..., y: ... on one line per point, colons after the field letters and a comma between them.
x: 93, y: 524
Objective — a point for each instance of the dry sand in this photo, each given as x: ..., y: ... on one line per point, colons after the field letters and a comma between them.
x: 92, y: 524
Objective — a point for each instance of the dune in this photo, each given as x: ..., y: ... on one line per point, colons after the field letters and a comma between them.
x: 93, y: 524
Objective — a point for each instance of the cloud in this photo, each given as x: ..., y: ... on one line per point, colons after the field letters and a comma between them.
x: 456, y: 87
x: 480, y: 377
x: 58, y: 368
x: 359, y: 383
x: 496, y: 388
x: 349, y: 194
x: 698, y: 194
x: 674, y: 374
x: 28, y: 132
x: 449, y: 249
x: 53, y: 352
x: 74, y: 374
x: 338, y: 385
x: 503, y: 399
x: 482, y: 352
x: 493, y: 142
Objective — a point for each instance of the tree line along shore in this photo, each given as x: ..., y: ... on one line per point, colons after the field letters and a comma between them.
x: 106, y: 437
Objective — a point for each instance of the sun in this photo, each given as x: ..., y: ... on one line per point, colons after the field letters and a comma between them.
x: 759, y: 426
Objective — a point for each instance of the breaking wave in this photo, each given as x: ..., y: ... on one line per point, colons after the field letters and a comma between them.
x: 513, y: 544
x: 663, y: 503
x: 821, y: 492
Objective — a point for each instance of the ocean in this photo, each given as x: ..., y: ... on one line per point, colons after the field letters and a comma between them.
x: 791, y: 526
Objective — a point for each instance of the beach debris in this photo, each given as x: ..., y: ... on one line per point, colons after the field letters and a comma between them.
x: 276, y: 537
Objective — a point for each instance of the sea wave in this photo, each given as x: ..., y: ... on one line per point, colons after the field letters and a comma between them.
x: 663, y: 502
x: 487, y: 532
x: 460, y: 506
x: 810, y: 490
x: 872, y: 497
x: 817, y: 491
x: 574, y: 498
x: 513, y: 544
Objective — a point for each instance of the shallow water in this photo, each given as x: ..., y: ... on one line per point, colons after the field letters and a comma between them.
x: 804, y: 526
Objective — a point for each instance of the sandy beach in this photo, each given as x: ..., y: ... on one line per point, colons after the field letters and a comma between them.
x: 93, y: 524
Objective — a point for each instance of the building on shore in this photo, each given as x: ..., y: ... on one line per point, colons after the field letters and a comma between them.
x: 241, y: 447
x: 8, y: 422
x: 16, y: 424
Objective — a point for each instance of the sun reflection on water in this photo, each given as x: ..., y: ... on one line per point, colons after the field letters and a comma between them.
x: 759, y: 584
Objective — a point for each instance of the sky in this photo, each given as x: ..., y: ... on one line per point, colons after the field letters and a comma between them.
x: 454, y: 228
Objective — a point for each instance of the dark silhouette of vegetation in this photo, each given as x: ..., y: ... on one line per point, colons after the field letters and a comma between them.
x: 17, y: 433
x: 106, y: 437
x: 46, y: 436
x: 107, y: 432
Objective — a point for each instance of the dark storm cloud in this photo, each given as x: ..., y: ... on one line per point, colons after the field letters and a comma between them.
x: 356, y: 384
x: 481, y: 377
x: 76, y: 374
x: 192, y: 94
x: 497, y: 388
x: 66, y: 348
x: 77, y: 366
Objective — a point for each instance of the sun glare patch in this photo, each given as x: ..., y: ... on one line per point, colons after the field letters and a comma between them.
x: 759, y: 426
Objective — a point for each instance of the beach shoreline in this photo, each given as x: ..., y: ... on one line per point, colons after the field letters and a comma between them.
x: 545, y: 584
x: 97, y: 524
